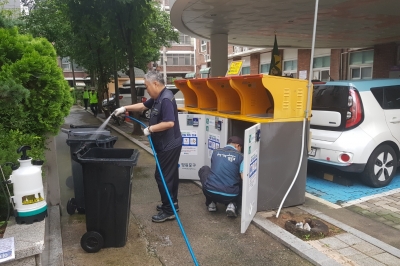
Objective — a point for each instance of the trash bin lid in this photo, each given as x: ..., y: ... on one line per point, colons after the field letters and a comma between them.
x: 121, y: 157
x: 91, y: 138
x: 85, y: 131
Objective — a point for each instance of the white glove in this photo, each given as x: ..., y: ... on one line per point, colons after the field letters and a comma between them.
x: 119, y: 111
x: 146, y: 131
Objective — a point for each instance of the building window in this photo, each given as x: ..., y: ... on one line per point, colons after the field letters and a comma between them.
x: 321, y: 62
x: 183, y: 40
x: 264, y: 68
x: 322, y: 75
x: 321, y: 67
x: 245, y: 70
x: 290, y: 68
x: 179, y: 60
x: 360, y: 72
x: 65, y: 64
x: 203, y: 46
x: 360, y: 64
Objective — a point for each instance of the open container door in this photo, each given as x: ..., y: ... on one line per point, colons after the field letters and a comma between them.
x: 251, y: 152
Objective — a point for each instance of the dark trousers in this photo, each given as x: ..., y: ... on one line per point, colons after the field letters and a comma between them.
x: 86, y: 102
x: 204, y: 172
x: 169, y: 166
x: 93, y: 107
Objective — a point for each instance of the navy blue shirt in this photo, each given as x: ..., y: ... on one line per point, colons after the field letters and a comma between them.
x: 224, y: 178
x: 166, y: 114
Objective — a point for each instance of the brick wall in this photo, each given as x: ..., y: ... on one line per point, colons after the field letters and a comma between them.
x: 180, y: 48
x: 254, y: 63
x: 384, y: 59
x: 199, y: 58
x: 335, y: 64
x: 179, y: 69
x: 303, y: 61
x: 230, y: 49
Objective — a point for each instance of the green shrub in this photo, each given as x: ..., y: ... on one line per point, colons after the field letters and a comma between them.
x: 34, y: 97
x: 32, y: 64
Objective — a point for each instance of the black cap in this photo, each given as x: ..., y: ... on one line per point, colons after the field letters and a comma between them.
x: 235, y: 139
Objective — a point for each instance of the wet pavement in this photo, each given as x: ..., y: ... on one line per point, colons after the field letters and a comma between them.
x: 371, y: 222
x: 215, y: 238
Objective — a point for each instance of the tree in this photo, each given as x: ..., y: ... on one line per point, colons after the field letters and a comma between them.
x: 104, y: 34
x: 143, y: 28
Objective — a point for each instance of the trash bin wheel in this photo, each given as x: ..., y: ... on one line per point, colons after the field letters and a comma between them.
x: 71, y: 206
x: 92, y: 242
x: 81, y: 210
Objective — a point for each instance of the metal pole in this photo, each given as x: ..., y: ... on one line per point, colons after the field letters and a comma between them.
x: 312, y: 58
x: 164, y: 54
x: 306, y: 113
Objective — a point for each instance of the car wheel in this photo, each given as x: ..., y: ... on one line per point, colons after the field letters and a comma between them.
x: 381, y: 167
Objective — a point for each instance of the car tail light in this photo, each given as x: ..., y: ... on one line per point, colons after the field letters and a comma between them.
x: 344, y: 157
x: 120, y: 97
x: 354, y: 114
x: 144, y: 99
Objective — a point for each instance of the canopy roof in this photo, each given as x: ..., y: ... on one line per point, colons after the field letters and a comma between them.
x: 253, y: 23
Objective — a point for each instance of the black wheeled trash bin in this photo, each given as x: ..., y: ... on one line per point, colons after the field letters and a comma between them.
x: 75, y: 142
x: 79, y: 130
x: 107, y: 181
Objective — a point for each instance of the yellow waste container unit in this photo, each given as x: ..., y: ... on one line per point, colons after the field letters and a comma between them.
x: 206, y: 98
x: 189, y: 95
x: 228, y: 100
x: 273, y: 109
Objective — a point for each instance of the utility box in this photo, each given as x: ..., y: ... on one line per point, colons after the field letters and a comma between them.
x: 268, y: 112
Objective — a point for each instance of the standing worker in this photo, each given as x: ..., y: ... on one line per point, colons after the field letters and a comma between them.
x: 166, y: 137
x: 223, y: 181
x: 85, y: 97
x: 93, y: 101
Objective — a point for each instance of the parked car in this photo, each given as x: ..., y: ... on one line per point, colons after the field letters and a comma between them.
x: 355, y: 127
x: 143, y: 95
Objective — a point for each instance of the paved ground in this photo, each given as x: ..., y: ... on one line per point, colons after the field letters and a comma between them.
x: 215, y: 238
x: 369, y: 239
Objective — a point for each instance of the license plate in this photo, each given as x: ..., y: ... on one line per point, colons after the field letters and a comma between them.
x: 312, y: 152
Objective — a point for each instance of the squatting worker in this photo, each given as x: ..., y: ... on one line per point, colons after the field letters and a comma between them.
x: 166, y: 137
x: 222, y: 183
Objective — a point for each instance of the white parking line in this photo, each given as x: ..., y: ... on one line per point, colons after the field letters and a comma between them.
x: 330, y: 204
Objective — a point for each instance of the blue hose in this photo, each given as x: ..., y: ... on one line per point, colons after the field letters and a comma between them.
x: 169, y: 196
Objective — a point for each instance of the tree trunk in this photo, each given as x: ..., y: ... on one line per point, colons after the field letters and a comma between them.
x: 136, y: 126
x: 73, y: 73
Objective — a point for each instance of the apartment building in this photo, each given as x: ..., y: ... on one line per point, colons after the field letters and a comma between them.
x: 379, y: 61
x: 178, y: 60
x: 69, y: 69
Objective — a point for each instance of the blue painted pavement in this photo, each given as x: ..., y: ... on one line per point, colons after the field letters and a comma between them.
x: 338, y: 194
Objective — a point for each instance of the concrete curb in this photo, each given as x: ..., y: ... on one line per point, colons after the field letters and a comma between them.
x: 53, y: 253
